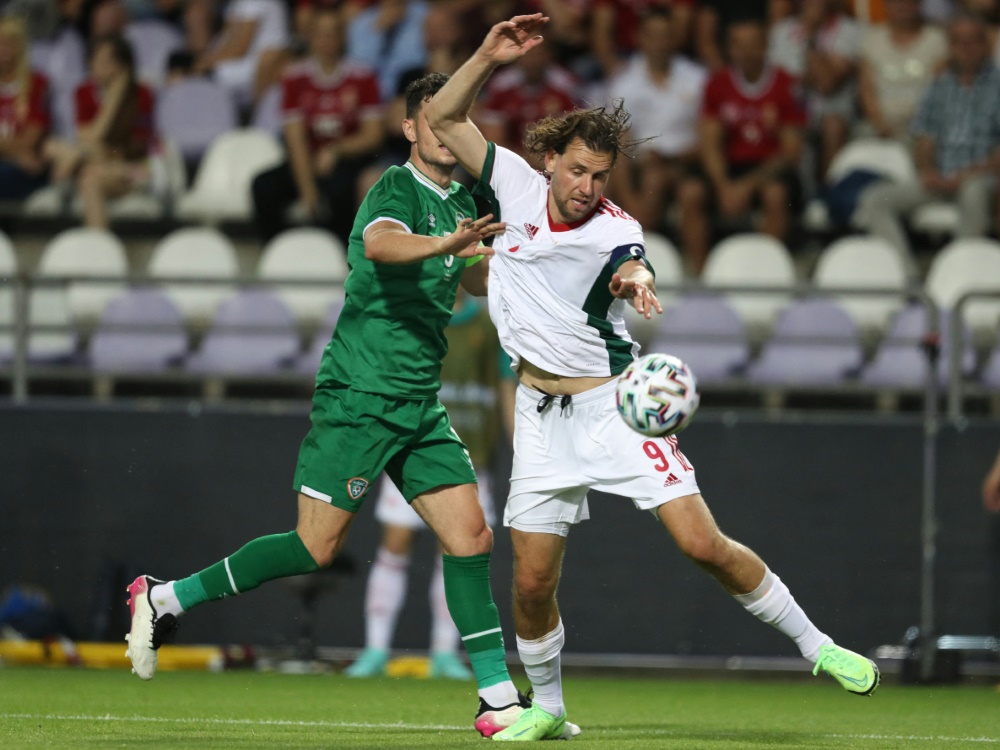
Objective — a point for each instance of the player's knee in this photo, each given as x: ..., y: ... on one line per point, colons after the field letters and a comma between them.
x: 692, y: 195
x: 703, y: 546
x: 775, y: 195
x: 533, y: 585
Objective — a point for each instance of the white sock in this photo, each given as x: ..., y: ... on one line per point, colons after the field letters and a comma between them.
x: 772, y: 603
x: 500, y: 695
x: 165, y: 600
x: 384, y: 597
x: 444, y: 634
x: 541, y: 663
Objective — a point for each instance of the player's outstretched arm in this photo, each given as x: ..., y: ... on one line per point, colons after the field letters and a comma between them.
x: 448, y: 112
x: 388, y: 242
x: 634, y: 281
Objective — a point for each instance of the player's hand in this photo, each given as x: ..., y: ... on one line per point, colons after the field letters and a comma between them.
x: 991, y: 490
x: 509, y: 40
x: 466, y: 240
x: 643, y: 298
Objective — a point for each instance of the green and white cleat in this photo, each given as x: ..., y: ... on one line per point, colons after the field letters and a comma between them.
x: 536, y: 724
x: 371, y: 663
x: 445, y: 665
x: 855, y: 673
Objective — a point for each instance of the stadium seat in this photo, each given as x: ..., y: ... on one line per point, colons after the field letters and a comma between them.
x: 49, y: 306
x: 8, y: 272
x: 197, y: 252
x: 665, y: 259
x: 46, y: 203
x: 814, y: 343
x: 140, y: 330
x: 965, y: 265
x: 253, y: 333
x: 193, y: 113
x: 152, y: 42
x: 863, y: 262
x: 886, y: 157
x: 86, y: 252
x: 306, y: 254
x: 308, y: 363
x: 900, y: 361
x: 707, y: 334
x: 751, y: 260
x: 222, y: 186
x: 937, y: 218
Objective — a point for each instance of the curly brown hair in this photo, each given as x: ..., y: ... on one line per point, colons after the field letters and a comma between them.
x: 602, y: 130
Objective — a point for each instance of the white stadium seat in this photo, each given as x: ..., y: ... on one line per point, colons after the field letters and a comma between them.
x: 309, y: 255
x: 863, y: 262
x: 965, y: 265
x: 197, y: 252
x: 751, y: 260
x: 221, y: 190
x: 86, y: 252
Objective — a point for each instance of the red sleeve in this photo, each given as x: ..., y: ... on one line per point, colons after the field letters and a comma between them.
x: 291, y: 91
x: 38, y: 102
x: 86, y: 104
x: 792, y: 111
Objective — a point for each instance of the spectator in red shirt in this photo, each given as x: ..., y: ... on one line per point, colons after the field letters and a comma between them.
x: 533, y: 88
x: 24, y: 116
x: 115, y: 136
x: 751, y: 139
x: 332, y: 130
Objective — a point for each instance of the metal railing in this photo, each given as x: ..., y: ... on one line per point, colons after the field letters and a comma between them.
x: 957, y: 340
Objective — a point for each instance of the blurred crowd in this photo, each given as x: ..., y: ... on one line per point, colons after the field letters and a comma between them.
x: 740, y: 107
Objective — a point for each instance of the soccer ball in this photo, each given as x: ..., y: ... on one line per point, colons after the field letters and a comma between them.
x: 658, y: 395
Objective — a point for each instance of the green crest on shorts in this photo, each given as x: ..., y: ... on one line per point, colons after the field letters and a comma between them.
x: 357, y: 487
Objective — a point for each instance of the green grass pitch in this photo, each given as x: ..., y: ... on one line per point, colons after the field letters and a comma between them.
x: 42, y: 707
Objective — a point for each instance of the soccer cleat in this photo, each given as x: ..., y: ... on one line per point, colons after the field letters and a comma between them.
x: 148, y: 630
x: 446, y: 665
x: 371, y: 663
x: 490, y: 720
x: 535, y: 724
x: 855, y: 673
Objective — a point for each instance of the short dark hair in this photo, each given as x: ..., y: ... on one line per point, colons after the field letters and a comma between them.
x: 421, y: 90
x: 603, y: 131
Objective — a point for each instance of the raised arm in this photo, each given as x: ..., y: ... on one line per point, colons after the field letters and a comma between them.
x: 388, y: 242
x: 448, y: 112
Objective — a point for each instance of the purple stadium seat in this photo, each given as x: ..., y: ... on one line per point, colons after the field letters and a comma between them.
x: 193, y: 113
x: 707, y: 334
x: 814, y: 343
x: 267, y: 114
x: 308, y: 363
x: 140, y: 330
x: 152, y: 42
x: 267, y: 343
x: 900, y: 361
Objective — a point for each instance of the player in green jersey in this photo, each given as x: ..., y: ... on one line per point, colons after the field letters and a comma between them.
x: 375, y: 407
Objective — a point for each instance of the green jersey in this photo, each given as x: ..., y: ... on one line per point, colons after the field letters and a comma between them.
x: 390, y: 336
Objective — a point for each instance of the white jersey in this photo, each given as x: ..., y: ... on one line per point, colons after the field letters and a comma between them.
x: 548, y: 285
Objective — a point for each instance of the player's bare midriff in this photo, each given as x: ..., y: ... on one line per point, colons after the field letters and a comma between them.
x: 538, y: 379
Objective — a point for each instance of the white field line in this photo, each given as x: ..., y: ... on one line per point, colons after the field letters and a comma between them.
x: 432, y: 727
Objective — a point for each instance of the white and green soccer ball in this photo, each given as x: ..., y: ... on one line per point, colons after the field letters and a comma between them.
x: 658, y: 395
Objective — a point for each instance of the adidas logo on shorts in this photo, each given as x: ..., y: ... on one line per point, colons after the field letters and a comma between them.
x: 671, y: 480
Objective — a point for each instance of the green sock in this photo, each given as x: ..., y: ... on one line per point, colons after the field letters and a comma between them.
x: 263, y: 559
x: 470, y: 601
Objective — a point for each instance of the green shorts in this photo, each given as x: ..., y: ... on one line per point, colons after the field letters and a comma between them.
x: 355, y: 436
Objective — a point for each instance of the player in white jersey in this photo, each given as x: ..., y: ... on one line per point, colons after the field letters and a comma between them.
x: 558, y: 282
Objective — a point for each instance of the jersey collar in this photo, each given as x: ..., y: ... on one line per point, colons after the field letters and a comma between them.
x: 426, y: 181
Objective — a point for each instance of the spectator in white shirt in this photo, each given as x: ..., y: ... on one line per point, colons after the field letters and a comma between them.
x: 663, y: 93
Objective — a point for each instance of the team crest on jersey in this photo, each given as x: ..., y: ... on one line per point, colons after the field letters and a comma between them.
x: 357, y: 487
x: 532, y: 230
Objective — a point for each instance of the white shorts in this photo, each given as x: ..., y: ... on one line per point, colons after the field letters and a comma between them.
x: 391, y: 509
x: 562, y: 453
